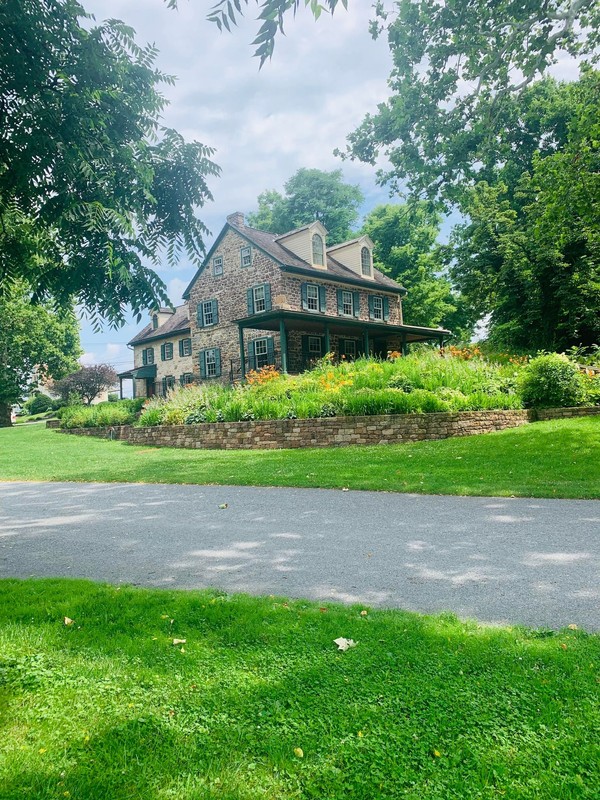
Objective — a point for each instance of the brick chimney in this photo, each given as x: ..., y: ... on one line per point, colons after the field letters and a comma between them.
x: 237, y: 218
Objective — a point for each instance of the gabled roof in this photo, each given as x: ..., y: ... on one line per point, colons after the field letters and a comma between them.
x: 177, y: 323
x: 270, y: 244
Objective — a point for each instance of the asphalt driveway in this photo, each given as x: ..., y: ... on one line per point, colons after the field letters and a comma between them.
x: 534, y: 562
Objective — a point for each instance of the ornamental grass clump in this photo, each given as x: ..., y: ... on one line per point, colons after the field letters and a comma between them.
x: 102, y: 415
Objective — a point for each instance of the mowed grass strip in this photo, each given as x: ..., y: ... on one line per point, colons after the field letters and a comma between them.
x: 259, y: 703
x: 546, y: 459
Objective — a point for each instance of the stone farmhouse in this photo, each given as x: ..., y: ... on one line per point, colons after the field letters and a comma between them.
x: 263, y: 299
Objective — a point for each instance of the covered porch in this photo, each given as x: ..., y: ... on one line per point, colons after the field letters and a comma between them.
x: 144, y: 377
x: 304, y: 338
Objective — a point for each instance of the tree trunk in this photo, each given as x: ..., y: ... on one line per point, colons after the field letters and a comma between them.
x: 5, y: 411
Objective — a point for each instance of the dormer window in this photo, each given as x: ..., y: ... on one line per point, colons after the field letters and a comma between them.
x: 154, y: 321
x: 318, y: 250
x: 365, y: 261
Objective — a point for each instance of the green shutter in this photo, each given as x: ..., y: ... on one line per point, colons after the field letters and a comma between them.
x: 200, y: 315
x: 215, y: 310
x: 267, y: 296
x: 322, y: 345
x: 217, y: 362
x: 304, y: 296
x: 250, y: 298
x: 144, y: 357
x: 181, y: 347
x: 305, y: 350
x: 340, y: 301
x: 270, y: 350
x: 371, y: 308
x: 251, y: 356
x: 386, y: 308
x: 356, y: 303
x: 163, y: 352
x: 202, y: 363
x: 322, y: 299
x: 164, y: 386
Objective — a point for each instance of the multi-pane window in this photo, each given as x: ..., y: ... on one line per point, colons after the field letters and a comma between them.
x: 148, y: 356
x: 314, y: 345
x: 259, y: 299
x: 312, y: 297
x: 186, y: 378
x: 168, y: 382
x: 166, y: 351
x: 318, y: 256
x: 347, y: 305
x: 246, y: 256
x: 365, y: 261
x: 210, y: 360
x: 185, y: 347
x: 154, y: 321
x: 217, y: 266
x: 349, y: 347
x: 378, y: 308
x: 208, y: 312
x: 261, y: 353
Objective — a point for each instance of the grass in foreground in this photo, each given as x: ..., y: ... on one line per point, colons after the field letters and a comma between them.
x: 258, y: 702
x: 546, y: 459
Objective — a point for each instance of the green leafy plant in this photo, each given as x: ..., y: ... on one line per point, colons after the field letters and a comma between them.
x: 551, y: 381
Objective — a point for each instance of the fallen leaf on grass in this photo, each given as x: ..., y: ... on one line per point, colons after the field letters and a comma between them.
x: 323, y: 610
x: 68, y: 621
x: 573, y: 627
x: 179, y: 641
x: 363, y: 613
x: 344, y: 644
x: 299, y: 752
x: 564, y: 646
x: 437, y: 754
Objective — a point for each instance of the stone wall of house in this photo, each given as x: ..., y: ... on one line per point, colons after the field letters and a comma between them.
x: 229, y: 290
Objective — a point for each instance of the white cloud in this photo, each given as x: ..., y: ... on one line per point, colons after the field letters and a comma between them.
x: 87, y: 359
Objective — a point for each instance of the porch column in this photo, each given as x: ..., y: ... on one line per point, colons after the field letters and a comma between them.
x: 404, y: 345
x: 367, y: 342
x: 327, y: 339
x: 283, y: 344
x: 120, y: 388
x: 242, y: 359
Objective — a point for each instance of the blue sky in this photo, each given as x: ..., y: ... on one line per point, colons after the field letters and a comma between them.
x: 264, y: 125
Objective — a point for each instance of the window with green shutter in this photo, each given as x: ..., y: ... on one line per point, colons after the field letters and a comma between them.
x: 348, y: 303
x: 148, y: 356
x: 166, y: 351
x: 207, y: 313
x: 259, y: 298
x: 185, y: 347
x: 261, y: 352
x: 210, y: 363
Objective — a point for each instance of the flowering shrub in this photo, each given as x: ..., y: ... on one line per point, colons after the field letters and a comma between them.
x: 257, y: 377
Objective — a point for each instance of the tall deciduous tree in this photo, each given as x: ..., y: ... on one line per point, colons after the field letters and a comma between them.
x: 310, y: 194
x: 406, y: 249
x: 92, y: 188
x: 36, y: 343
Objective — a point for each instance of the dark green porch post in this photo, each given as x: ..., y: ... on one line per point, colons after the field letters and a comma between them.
x: 366, y: 342
x: 404, y: 345
x: 283, y: 342
x: 327, y: 339
x: 242, y: 360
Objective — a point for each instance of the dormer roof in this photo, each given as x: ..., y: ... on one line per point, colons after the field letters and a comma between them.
x: 177, y: 322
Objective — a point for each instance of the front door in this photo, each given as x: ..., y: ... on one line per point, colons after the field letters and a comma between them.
x: 149, y: 387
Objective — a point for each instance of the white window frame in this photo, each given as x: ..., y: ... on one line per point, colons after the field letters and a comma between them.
x: 263, y: 355
x: 258, y: 295
x: 378, y: 308
x: 207, y: 313
x: 318, y: 351
x: 149, y: 355
x: 186, y: 347
x: 352, y: 343
x: 217, y: 266
x: 365, y: 264
x: 246, y: 257
x: 347, y: 304
x: 312, y: 301
x: 210, y: 362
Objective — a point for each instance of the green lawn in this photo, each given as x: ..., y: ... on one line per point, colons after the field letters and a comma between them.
x: 258, y: 702
x: 546, y: 459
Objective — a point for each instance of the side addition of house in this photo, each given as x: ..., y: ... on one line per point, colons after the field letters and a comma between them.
x: 286, y: 300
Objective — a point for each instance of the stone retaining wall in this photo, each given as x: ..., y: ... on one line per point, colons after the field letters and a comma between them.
x: 327, y: 432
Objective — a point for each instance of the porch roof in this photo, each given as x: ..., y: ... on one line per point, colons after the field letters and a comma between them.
x: 312, y: 322
x: 147, y: 371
